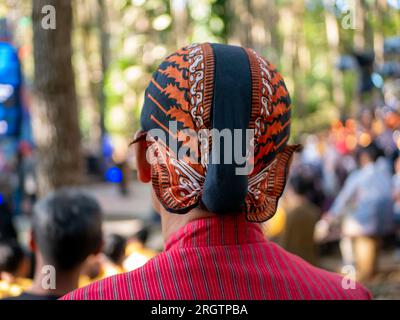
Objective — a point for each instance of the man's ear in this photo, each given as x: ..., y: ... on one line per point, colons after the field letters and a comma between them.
x: 142, y: 165
x: 32, y: 242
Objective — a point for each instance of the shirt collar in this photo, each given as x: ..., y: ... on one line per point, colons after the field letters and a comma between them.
x: 216, y: 231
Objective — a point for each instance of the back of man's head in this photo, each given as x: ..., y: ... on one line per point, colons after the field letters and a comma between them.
x: 207, y: 92
x: 301, y: 184
x: 114, y: 248
x: 142, y: 235
x: 368, y: 154
x: 67, y: 228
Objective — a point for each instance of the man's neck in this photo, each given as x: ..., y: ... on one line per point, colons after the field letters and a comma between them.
x: 65, y: 282
x: 172, y: 223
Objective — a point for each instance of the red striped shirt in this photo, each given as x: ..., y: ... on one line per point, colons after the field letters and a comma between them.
x: 222, y: 259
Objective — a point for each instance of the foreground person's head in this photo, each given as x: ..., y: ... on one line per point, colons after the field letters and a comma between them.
x: 197, y: 95
x: 66, y: 229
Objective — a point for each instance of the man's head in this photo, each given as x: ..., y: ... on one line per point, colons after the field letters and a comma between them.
x: 66, y: 229
x: 367, y: 155
x: 114, y: 248
x: 198, y: 93
x: 142, y: 235
x: 301, y: 184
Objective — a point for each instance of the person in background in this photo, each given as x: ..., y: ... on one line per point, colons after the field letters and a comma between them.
x: 15, y: 133
x: 7, y: 228
x: 396, y: 200
x: 137, y: 254
x: 105, y: 264
x: 210, y: 209
x: 66, y: 229
x: 92, y: 270
x: 301, y: 218
x: 114, y: 249
x: 14, y: 269
x: 365, y: 205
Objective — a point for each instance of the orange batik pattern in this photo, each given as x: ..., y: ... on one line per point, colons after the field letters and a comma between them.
x: 182, y: 91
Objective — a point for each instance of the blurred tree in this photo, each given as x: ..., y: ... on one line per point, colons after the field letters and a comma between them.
x: 180, y: 18
x: 119, y: 43
x: 380, y: 9
x: 105, y: 60
x: 333, y: 37
x: 240, y: 27
x: 359, y: 34
x: 55, y: 114
x: 87, y: 59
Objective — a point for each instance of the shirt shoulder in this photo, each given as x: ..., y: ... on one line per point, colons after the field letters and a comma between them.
x: 124, y: 286
x: 303, y: 280
x: 325, y: 285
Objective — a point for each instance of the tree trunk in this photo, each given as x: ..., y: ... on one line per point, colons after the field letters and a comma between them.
x: 380, y: 9
x: 259, y: 33
x: 55, y: 114
x: 333, y: 37
x: 180, y: 22
x: 359, y: 34
x: 292, y: 16
x: 240, y: 33
x: 105, y: 58
x: 87, y: 62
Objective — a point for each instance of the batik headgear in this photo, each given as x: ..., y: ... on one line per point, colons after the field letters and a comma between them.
x: 212, y: 86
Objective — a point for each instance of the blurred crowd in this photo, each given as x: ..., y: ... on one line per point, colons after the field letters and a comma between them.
x: 67, y: 249
x: 345, y: 188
